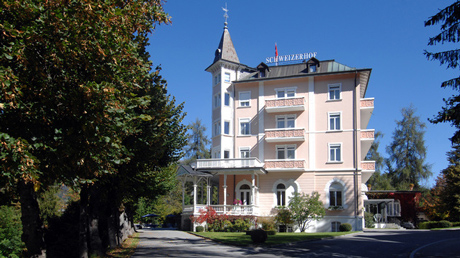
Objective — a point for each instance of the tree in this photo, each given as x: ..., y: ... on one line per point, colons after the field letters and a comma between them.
x: 80, y: 105
x: 306, y: 208
x: 197, y: 143
x: 406, y: 163
x: 450, y: 192
x: 450, y: 25
x: 378, y: 181
x: 283, y: 216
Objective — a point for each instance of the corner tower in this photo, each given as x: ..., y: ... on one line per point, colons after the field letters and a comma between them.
x: 225, y: 69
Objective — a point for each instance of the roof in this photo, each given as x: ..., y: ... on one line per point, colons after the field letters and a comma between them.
x: 186, y: 170
x: 226, y: 50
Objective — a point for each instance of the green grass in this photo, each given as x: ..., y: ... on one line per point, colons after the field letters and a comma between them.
x: 280, y: 238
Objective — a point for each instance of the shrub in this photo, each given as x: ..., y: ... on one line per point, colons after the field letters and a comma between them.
x: 259, y: 236
x: 444, y: 224
x: 455, y: 224
x: 369, y: 220
x: 267, y: 223
x: 10, y: 232
x: 199, y: 229
x: 345, y: 227
x: 435, y: 224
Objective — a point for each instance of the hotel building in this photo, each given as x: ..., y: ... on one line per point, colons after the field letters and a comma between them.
x: 277, y: 130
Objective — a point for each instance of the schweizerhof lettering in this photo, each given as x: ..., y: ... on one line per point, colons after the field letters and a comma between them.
x: 286, y: 58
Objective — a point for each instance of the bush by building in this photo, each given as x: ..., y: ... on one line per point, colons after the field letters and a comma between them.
x: 345, y: 227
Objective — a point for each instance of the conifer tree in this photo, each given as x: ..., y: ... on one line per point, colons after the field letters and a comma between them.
x: 378, y: 180
x: 406, y: 164
x: 197, y: 143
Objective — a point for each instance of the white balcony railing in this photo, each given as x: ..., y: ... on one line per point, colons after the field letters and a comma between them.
x: 229, y: 163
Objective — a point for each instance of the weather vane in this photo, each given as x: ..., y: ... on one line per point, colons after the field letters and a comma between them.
x: 225, y: 14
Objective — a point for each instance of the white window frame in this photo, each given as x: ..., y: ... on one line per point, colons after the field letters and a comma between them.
x: 286, y: 148
x: 333, y: 158
x: 292, y: 91
x: 333, y: 126
x: 286, y: 119
x: 227, y: 77
x: 245, y: 120
x: 334, y: 87
x: 281, y: 195
x: 216, y: 128
x: 217, y: 100
x: 227, y: 99
x: 227, y: 127
x: 334, y: 193
x: 243, y: 101
x: 245, y: 150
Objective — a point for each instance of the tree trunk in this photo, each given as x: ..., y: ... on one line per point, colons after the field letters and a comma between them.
x: 95, y: 213
x: 32, y: 231
x: 83, y: 223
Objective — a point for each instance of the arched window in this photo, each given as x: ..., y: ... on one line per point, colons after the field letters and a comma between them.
x: 245, y: 194
x: 335, y: 194
x: 281, y: 195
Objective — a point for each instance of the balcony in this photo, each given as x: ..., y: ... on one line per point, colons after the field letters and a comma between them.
x: 285, y: 164
x: 223, y: 209
x: 366, y: 107
x: 285, y: 105
x: 368, y: 168
x: 285, y: 135
x: 242, y: 165
x: 367, y: 138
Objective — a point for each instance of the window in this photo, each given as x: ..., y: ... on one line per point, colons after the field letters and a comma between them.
x: 227, y: 99
x: 227, y: 77
x: 394, y: 208
x: 334, y: 121
x: 334, y: 92
x: 312, y: 68
x: 287, y: 121
x: 217, y: 154
x: 281, y: 195
x: 335, y: 194
x: 245, y: 98
x: 245, y: 194
x: 216, y: 128
x: 335, y: 226
x: 285, y: 93
x: 335, y: 153
x: 216, y: 100
x: 244, y: 152
x: 245, y: 126
x: 285, y: 152
x: 226, y: 154
x: 217, y: 79
x: 226, y: 127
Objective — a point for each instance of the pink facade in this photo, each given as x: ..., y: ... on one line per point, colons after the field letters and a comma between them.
x: 300, y: 130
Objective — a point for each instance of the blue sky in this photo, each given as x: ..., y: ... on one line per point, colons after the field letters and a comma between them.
x: 387, y: 36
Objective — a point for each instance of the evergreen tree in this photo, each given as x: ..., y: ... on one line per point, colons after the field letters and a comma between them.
x: 450, y: 192
x: 406, y: 164
x: 378, y: 181
x: 448, y: 18
x: 197, y: 143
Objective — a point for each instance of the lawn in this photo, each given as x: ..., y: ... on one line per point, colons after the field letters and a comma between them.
x: 234, y: 238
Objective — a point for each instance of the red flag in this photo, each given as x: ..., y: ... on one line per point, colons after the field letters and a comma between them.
x: 276, y: 53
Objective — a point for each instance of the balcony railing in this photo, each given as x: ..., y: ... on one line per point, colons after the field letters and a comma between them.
x: 368, y: 165
x: 366, y: 106
x: 367, y: 138
x: 285, y: 164
x: 285, y: 135
x: 285, y: 104
x: 224, y: 209
x: 229, y: 163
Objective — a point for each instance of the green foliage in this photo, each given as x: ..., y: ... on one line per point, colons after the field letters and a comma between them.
x: 456, y: 224
x: 345, y: 227
x: 283, y: 216
x: 368, y: 220
x: 199, y: 229
x: 378, y: 180
x: 271, y: 232
x: 10, y: 232
x: 306, y: 208
x: 406, y: 163
x: 448, y: 18
x: 435, y: 224
x: 197, y: 142
x: 267, y: 223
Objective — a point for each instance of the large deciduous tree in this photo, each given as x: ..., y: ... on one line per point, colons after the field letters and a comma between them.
x: 448, y: 18
x: 80, y: 105
x: 407, y: 152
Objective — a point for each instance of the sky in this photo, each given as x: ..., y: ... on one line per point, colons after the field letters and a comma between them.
x: 387, y: 36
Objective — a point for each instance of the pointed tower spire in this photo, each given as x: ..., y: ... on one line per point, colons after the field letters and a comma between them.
x: 226, y: 50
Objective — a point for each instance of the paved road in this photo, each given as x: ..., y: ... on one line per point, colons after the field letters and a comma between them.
x: 406, y: 243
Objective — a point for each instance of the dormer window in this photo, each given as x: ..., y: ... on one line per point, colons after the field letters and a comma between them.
x: 312, y: 65
x: 263, y: 69
x: 312, y: 68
